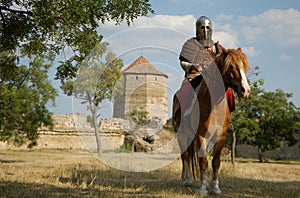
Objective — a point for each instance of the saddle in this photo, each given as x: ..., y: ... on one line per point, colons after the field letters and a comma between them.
x: 184, y: 100
x: 187, y: 92
x: 186, y: 96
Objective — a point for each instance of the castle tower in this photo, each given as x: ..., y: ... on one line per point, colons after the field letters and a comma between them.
x: 144, y: 88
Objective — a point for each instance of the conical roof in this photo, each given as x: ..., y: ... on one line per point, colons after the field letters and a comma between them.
x: 142, y: 66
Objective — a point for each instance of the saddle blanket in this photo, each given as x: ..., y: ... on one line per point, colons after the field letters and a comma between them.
x: 186, y: 96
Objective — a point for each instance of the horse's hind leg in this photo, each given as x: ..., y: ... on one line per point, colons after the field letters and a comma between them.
x: 203, y: 163
x: 186, y: 176
x: 215, y: 182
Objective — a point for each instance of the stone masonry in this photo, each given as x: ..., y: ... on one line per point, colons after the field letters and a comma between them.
x: 145, y: 88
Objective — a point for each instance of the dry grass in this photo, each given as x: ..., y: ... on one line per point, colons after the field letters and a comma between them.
x: 75, y: 173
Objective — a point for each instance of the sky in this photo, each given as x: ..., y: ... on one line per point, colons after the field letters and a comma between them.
x: 267, y: 31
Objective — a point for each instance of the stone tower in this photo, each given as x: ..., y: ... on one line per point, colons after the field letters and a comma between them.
x: 144, y: 88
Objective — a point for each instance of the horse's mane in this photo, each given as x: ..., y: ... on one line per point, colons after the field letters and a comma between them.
x: 234, y: 56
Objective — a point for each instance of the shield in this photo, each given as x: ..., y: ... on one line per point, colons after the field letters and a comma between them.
x: 193, y: 52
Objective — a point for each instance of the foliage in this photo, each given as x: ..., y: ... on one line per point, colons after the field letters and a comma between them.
x: 266, y: 119
x: 139, y: 116
x: 65, y: 22
x: 96, y: 80
x: 24, y: 94
x: 169, y: 126
x: 90, y: 120
x: 99, y: 78
x: 32, y: 34
x: 124, y: 148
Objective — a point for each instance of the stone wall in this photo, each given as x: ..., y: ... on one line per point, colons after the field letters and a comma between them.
x: 112, y: 132
x: 114, y: 125
x: 74, y: 132
x: 283, y: 153
x: 76, y: 123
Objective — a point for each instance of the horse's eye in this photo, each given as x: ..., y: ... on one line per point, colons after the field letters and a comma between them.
x: 231, y: 72
x: 231, y: 75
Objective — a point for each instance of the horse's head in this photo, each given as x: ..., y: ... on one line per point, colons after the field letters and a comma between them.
x: 233, y: 65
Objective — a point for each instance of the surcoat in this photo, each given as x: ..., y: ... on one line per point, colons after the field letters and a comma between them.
x: 195, y: 53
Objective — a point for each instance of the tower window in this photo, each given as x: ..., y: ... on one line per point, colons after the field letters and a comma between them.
x: 136, y: 78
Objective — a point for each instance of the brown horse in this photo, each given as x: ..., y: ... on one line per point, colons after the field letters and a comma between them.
x: 206, y: 126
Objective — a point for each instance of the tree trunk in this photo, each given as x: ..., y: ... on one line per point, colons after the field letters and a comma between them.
x: 233, y: 144
x: 98, y: 140
x: 260, y: 157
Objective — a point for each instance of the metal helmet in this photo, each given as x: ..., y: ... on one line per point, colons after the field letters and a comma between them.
x: 204, y: 31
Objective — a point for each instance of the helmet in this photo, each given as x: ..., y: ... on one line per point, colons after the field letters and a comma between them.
x: 204, y: 31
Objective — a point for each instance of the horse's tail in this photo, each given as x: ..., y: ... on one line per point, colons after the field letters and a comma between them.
x: 194, y: 159
x: 176, y: 113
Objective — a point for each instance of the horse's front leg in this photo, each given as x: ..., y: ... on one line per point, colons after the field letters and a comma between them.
x: 185, y: 158
x: 216, y: 162
x: 203, y: 163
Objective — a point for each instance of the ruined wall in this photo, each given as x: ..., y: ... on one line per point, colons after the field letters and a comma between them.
x: 74, y: 132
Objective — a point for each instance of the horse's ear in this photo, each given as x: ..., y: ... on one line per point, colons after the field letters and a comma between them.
x: 220, y: 48
x: 239, y: 49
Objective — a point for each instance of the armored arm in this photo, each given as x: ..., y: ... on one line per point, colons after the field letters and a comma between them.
x: 186, y: 66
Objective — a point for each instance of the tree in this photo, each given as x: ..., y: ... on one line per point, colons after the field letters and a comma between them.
x: 139, y: 116
x: 266, y: 120
x: 24, y: 94
x: 32, y: 34
x: 254, y: 83
x: 96, y: 81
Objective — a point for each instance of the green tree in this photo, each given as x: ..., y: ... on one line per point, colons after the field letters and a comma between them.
x: 32, y: 34
x: 254, y: 83
x: 266, y: 120
x: 139, y: 116
x: 24, y: 94
x: 96, y: 81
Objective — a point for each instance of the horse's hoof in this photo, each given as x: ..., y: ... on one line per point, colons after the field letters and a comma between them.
x: 188, y: 183
x: 203, y: 189
x: 203, y: 192
x: 215, y: 188
x: 216, y: 191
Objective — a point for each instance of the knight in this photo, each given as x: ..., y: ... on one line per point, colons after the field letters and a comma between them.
x: 196, y: 55
x: 198, y: 52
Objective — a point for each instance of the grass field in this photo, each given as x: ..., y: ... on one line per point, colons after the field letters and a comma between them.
x: 76, y: 173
